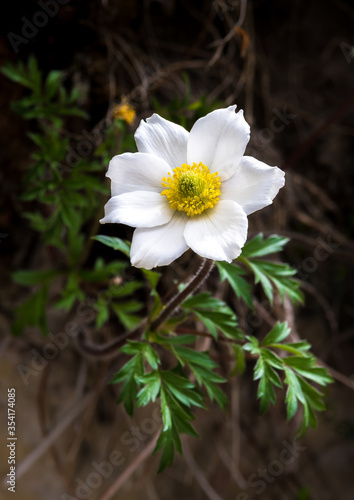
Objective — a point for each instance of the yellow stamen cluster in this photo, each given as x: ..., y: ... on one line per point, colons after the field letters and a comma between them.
x: 124, y: 111
x: 192, y: 189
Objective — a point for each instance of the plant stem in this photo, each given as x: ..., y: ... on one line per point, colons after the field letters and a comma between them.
x: 111, y: 349
x: 172, y: 305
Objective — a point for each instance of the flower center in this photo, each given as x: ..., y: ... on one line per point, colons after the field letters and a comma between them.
x: 191, y: 188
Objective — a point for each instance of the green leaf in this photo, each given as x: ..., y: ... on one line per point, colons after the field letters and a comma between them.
x: 32, y: 312
x: 125, y: 289
x: 252, y: 345
x: 216, y: 393
x: 102, y: 316
x: 129, y: 374
x: 151, y: 389
x: 165, y: 410
x: 240, y: 362
x: 152, y: 277
x: 268, y: 379
x: 35, y: 277
x: 182, y: 389
x: 70, y: 215
x: 306, y: 367
x: 192, y: 357
x: 166, y: 443
x: 124, y: 312
x: 258, y: 247
x: 202, y: 367
x: 232, y: 273
x: 113, y: 242
x: 16, y: 74
x: 215, y: 314
x: 102, y: 271
x: 280, y: 332
x: 151, y: 356
x: 294, y: 392
x: 70, y: 293
x: 52, y: 84
x: 177, y: 340
x: 280, y: 275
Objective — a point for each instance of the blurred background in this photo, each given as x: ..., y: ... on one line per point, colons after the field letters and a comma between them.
x: 79, y: 75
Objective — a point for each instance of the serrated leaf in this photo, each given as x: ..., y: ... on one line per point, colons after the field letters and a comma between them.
x: 280, y: 275
x: 129, y: 374
x: 151, y: 356
x: 240, y: 362
x: 252, y: 345
x: 278, y: 333
x: 182, y: 389
x: 125, y: 310
x: 259, y: 247
x: 70, y: 215
x: 306, y: 367
x: 16, y: 74
x: 125, y: 289
x: 34, y: 277
x: 166, y: 443
x: 32, y: 312
x: 177, y: 340
x: 52, y: 83
x: 215, y: 392
x: 272, y: 359
x: 165, y: 411
x: 151, y: 389
x: 114, y: 242
x: 215, y: 315
x: 190, y: 356
x: 294, y: 392
x: 232, y: 274
x: 102, y: 316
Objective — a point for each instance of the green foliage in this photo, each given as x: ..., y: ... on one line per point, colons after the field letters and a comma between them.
x: 271, y: 274
x: 32, y: 313
x: 63, y: 193
x: 233, y: 274
x: 214, y: 313
x: 299, y: 369
x: 184, y: 387
x: 48, y: 98
x: 144, y: 381
x: 268, y: 273
x: 115, y: 243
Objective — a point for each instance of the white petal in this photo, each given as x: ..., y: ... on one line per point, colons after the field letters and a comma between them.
x: 138, y: 209
x: 163, y: 138
x: 219, y: 141
x: 254, y: 185
x: 218, y: 233
x: 159, y: 246
x: 136, y: 172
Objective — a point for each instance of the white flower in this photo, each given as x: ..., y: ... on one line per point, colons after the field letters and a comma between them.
x: 189, y: 190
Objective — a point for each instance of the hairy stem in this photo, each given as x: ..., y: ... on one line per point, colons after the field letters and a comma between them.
x: 111, y: 349
x: 172, y: 305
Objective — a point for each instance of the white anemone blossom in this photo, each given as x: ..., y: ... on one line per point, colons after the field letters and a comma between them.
x: 189, y: 190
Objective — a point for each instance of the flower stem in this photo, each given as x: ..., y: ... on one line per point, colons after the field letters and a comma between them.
x: 172, y: 305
